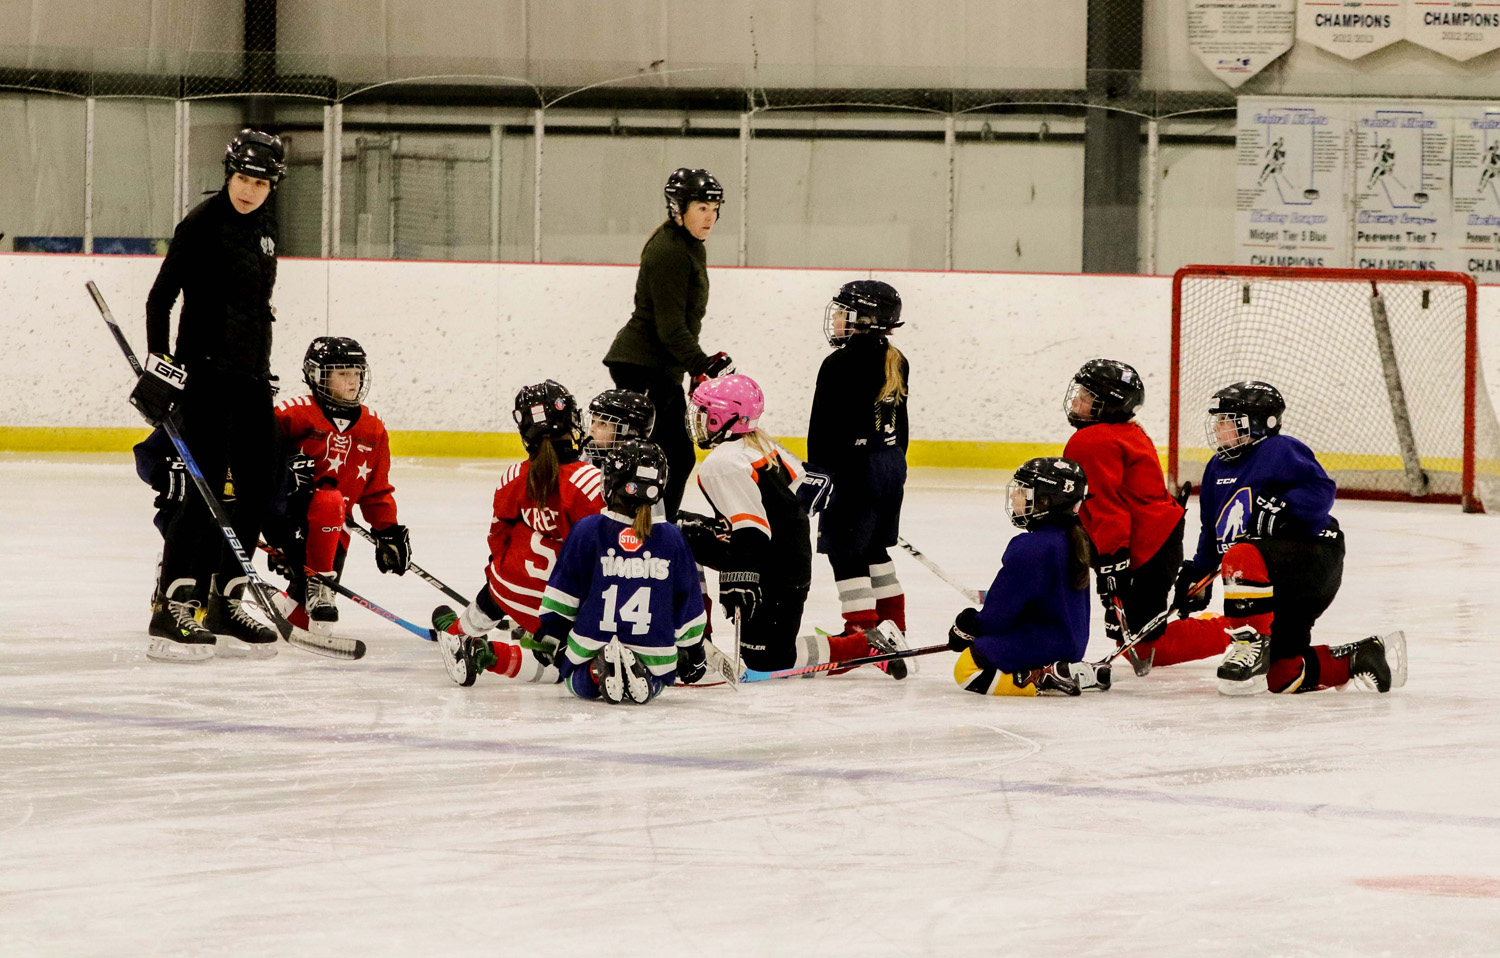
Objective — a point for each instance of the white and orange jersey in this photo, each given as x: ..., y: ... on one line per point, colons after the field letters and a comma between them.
x: 757, y: 492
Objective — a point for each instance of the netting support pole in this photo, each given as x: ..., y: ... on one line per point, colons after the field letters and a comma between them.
x: 179, y: 173
x: 950, y: 145
x: 1351, y: 194
x: 88, y: 176
x: 497, y: 140
x: 743, y: 258
x: 187, y: 158
x: 1153, y: 179
x: 1416, y: 479
x: 325, y: 235
x: 539, y: 133
x: 336, y: 198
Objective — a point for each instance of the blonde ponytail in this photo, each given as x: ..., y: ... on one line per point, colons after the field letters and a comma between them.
x: 894, y: 390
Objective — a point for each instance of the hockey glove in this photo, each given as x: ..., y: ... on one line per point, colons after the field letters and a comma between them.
x: 1187, y: 577
x: 392, y: 549
x: 542, y: 647
x: 712, y: 367
x: 176, y: 482
x: 963, y: 630
x: 1112, y: 574
x: 159, y: 389
x: 692, y: 663
x: 300, y: 471
x: 739, y: 592
x: 815, y: 492
x: 1270, y: 520
x: 707, y: 536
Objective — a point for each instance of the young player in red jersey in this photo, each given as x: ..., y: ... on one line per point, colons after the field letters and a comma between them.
x: 338, y: 456
x: 536, y: 506
x: 1135, y: 526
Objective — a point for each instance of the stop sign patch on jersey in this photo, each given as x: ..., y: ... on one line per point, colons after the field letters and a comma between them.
x: 629, y: 541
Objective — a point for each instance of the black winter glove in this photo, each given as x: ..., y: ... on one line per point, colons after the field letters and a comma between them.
x: 965, y: 627
x: 1187, y: 577
x: 739, y: 592
x: 1270, y: 520
x: 392, y: 549
x: 1112, y: 574
x: 159, y: 389
x: 692, y: 663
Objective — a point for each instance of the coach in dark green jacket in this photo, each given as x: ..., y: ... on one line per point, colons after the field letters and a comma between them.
x: 659, y: 343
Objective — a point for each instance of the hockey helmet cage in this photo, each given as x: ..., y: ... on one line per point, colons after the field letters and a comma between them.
x: 1113, y: 389
x: 1045, y: 491
x: 1254, y: 408
x: 257, y: 155
x: 635, y: 474
x: 685, y: 186
x: 546, y: 410
x: 327, y: 355
x: 863, y: 306
x: 614, y: 416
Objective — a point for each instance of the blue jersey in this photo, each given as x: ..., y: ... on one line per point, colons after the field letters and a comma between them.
x: 1277, y: 466
x: 1032, y: 615
x: 608, y: 584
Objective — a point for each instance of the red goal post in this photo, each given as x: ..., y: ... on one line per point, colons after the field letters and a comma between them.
x: 1379, y: 368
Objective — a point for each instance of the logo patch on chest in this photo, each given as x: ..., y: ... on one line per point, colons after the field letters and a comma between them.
x: 268, y: 246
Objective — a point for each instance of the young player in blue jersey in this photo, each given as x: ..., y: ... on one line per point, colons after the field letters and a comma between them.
x: 1030, y: 637
x: 1266, y: 526
x: 624, y: 600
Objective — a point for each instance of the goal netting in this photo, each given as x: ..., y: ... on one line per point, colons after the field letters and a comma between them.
x: 1380, y: 371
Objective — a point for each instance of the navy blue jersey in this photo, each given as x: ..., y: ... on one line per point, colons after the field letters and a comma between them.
x: 609, y: 584
x: 1277, y: 466
x: 1032, y: 615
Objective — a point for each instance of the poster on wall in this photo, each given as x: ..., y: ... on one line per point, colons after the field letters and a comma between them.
x: 1237, y: 39
x: 1403, y: 156
x: 1351, y: 28
x: 1290, y: 180
x: 1461, y: 29
x: 1476, y: 190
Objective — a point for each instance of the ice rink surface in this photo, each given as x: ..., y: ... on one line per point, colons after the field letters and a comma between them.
x: 302, y: 806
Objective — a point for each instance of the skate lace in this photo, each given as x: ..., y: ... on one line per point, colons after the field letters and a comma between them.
x: 1243, y: 653
x: 238, y: 614
x: 184, y: 613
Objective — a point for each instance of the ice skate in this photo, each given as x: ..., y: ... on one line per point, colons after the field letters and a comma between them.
x: 321, y: 612
x: 1054, y: 679
x: 620, y: 675
x: 1246, y: 662
x: 462, y: 653
x: 1090, y: 676
x: 177, y: 635
x: 1376, y: 664
x: 239, y: 634
x: 886, y: 638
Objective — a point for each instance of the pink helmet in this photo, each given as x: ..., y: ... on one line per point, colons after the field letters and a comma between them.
x: 724, y: 406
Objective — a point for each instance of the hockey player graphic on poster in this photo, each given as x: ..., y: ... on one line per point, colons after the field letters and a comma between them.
x: 1489, y: 166
x: 1404, y: 153
x: 1275, y: 162
x: 1290, y: 167
x: 1476, y: 191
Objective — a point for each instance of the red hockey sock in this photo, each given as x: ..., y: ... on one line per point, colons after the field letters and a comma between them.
x: 852, y: 644
x: 325, y: 523
x: 1248, y: 596
x: 1187, y: 640
x: 1332, y: 671
x: 861, y: 620
x: 892, y: 607
x: 507, y: 659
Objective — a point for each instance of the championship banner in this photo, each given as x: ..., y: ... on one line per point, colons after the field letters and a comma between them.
x: 1403, y: 161
x: 1290, y: 182
x: 1351, y: 28
x: 1476, y: 189
x: 1237, y: 39
x: 1460, y: 29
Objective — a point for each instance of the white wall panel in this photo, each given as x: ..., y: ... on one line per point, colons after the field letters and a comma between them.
x: 41, y: 167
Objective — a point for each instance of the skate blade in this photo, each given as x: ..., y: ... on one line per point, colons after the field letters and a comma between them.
x: 897, y: 639
x: 165, y: 650
x: 1395, y: 657
x: 230, y: 647
x: 1252, y: 686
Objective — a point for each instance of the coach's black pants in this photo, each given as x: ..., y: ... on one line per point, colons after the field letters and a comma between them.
x: 670, y: 431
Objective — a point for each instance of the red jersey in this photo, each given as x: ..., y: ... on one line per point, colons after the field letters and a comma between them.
x: 357, y: 458
x: 524, y: 540
x: 1128, y: 502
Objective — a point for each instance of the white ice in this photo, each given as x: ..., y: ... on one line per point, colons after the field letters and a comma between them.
x: 306, y: 806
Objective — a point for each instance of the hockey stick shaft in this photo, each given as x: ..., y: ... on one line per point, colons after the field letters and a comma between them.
x: 937, y: 570
x: 1148, y: 632
x: 751, y: 675
x: 422, y: 573
x: 341, y: 589
x: 258, y: 588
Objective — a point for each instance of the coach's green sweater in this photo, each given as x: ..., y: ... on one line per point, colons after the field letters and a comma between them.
x: 671, y: 296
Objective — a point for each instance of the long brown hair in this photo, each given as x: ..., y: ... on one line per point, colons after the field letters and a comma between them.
x: 541, y: 478
x: 642, y: 526
x: 894, y: 390
x: 1080, y: 553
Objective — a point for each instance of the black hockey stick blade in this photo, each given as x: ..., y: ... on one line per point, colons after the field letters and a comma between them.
x: 301, y: 638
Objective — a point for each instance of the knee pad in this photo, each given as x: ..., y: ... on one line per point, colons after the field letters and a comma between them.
x: 1247, y: 584
x: 325, y: 511
x: 985, y: 680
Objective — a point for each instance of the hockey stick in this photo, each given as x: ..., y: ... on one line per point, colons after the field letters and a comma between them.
x: 301, y: 638
x: 428, y: 634
x: 752, y: 675
x: 426, y: 576
x: 720, y: 663
x: 937, y: 570
x: 1149, y: 630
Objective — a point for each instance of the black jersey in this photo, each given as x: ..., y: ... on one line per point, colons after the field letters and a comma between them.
x: 849, y: 421
x: 223, y: 262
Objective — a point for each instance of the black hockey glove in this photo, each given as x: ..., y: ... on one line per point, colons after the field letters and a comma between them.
x: 300, y: 471
x: 815, y: 492
x: 692, y: 663
x: 175, y: 482
x: 1270, y: 518
x: 1187, y: 577
x: 707, y: 536
x: 963, y: 630
x: 159, y: 389
x: 392, y: 549
x: 712, y: 367
x: 1112, y: 574
x: 739, y: 592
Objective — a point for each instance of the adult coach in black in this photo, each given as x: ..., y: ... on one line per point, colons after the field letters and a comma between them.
x: 659, y: 343
x: 222, y: 260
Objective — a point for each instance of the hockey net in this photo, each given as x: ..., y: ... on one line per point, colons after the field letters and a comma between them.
x: 1380, y: 371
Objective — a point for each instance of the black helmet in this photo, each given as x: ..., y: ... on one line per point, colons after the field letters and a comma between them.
x: 863, y: 306
x: 630, y: 414
x: 325, y: 355
x: 685, y: 186
x: 1116, y: 390
x: 1254, y: 407
x: 255, y: 154
x: 1054, y: 489
x: 546, y: 411
x: 635, y: 474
